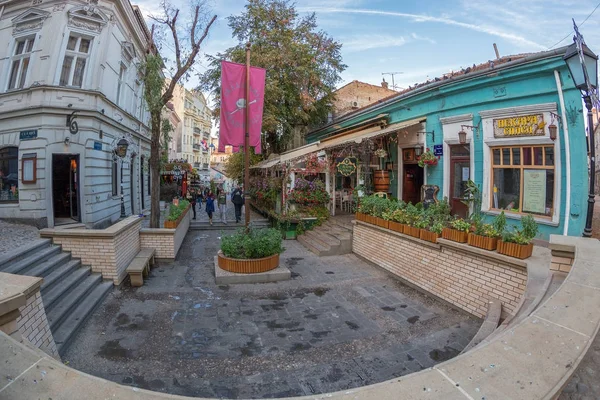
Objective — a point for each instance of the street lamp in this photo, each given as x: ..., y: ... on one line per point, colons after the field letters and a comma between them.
x: 121, y: 152
x: 583, y: 67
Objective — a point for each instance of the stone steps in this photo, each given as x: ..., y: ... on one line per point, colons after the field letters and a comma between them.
x: 231, y: 225
x: 333, y: 237
x: 69, y: 291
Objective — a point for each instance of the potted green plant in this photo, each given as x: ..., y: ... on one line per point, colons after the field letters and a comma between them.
x: 365, y: 209
x: 517, y: 243
x: 250, y: 252
x: 457, y: 230
x: 433, y: 232
x: 414, y: 216
x: 485, y: 236
x: 397, y: 220
x: 380, y: 208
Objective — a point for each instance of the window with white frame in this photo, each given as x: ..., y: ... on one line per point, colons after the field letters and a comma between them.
x: 75, y: 61
x: 20, y: 62
x: 122, y: 71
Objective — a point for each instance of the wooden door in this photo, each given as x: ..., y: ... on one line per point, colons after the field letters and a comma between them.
x: 460, y: 173
x: 411, y: 183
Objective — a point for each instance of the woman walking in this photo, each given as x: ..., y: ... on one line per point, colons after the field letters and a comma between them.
x: 222, y: 203
x: 210, y: 206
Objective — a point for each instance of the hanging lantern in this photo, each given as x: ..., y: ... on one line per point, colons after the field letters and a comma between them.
x: 462, y: 136
x: 418, y: 150
x: 553, y: 131
x: 122, y: 146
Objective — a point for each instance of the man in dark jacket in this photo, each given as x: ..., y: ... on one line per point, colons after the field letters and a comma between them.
x: 237, y: 198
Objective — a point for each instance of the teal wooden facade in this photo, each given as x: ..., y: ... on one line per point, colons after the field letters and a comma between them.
x: 537, y: 84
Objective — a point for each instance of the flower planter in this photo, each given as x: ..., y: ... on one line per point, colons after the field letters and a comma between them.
x: 290, y: 232
x: 248, y: 266
x: 455, y: 235
x: 381, y: 222
x: 483, y: 242
x: 412, y: 231
x: 521, y: 251
x: 371, y: 219
x: 429, y: 236
x: 360, y: 216
x: 396, y: 226
x: 175, y: 224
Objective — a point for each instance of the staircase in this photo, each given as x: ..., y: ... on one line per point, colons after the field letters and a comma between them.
x: 334, y: 237
x: 70, y: 292
x: 230, y: 226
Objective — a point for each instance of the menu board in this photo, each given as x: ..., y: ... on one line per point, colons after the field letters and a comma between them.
x: 534, y: 187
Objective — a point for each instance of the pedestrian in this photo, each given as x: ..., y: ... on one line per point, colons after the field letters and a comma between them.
x: 210, y: 205
x: 237, y: 198
x: 199, y: 199
x: 222, y: 203
x: 192, y: 198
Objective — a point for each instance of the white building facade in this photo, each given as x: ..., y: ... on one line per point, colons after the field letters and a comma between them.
x: 69, y: 91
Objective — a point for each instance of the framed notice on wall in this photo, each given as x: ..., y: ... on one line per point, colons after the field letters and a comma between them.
x: 534, y: 191
x: 28, y: 168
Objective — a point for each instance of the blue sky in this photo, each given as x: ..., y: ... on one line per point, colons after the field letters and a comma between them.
x: 424, y: 39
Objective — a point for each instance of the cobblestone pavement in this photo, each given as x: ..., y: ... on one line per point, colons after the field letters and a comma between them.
x: 202, y: 216
x: 13, y: 236
x: 338, y: 323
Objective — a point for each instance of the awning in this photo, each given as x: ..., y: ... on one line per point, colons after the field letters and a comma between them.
x: 271, y: 162
x: 300, y: 151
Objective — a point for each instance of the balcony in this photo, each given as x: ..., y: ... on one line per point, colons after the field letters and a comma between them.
x: 205, y: 166
x: 197, y: 131
x: 197, y: 147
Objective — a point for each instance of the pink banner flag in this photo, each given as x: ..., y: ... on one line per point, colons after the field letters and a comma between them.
x: 233, y: 105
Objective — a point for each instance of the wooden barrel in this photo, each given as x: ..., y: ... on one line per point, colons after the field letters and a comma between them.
x: 382, y: 180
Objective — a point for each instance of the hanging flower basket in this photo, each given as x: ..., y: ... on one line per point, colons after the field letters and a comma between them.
x: 381, y: 153
x: 427, y: 158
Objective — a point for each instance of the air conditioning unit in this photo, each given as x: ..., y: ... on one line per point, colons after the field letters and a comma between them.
x: 355, y: 104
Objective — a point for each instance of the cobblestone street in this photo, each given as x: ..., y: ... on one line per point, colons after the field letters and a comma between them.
x: 338, y: 324
x: 15, y: 235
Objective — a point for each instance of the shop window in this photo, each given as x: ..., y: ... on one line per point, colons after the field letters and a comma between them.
x: 75, y: 61
x: 20, y: 63
x: 9, y: 174
x: 523, y: 179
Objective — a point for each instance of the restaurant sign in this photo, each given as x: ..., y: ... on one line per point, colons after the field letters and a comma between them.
x: 347, y: 166
x: 526, y: 125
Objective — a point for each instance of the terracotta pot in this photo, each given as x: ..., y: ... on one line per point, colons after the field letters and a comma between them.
x: 175, y: 224
x: 381, y: 222
x: 521, y: 251
x: 412, y: 231
x: 483, y: 242
x: 455, y: 235
x: 248, y: 266
x: 396, y: 226
x: 432, y: 237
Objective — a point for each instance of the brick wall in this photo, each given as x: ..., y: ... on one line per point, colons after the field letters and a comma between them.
x: 166, y: 242
x: 361, y: 93
x: 453, y: 273
x: 33, y: 324
x: 108, y: 251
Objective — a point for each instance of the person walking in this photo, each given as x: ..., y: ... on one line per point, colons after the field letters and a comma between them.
x: 237, y: 198
x: 222, y: 203
x: 210, y: 206
x: 199, y: 199
x: 192, y: 199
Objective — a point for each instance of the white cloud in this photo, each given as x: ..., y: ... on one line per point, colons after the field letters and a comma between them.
x: 372, y: 41
x: 424, y: 38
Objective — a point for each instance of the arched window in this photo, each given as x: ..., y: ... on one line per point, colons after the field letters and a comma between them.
x: 9, y: 174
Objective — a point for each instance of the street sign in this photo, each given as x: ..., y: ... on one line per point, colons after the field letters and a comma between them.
x: 28, y: 135
x: 438, y: 150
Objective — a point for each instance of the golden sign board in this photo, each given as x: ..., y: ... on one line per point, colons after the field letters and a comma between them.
x: 526, y: 125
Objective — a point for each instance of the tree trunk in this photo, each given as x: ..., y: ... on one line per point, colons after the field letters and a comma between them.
x: 155, y: 170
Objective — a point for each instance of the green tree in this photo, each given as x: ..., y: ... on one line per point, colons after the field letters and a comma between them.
x: 157, y: 91
x: 234, y: 166
x: 303, y: 66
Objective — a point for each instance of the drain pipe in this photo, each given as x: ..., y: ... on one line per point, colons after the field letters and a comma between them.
x: 563, y: 113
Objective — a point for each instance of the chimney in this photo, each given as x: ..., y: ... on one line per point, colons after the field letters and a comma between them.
x: 384, y: 84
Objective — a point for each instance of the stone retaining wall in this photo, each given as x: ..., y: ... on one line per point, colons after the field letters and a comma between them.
x: 166, y: 242
x: 108, y: 251
x: 33, y: 324
x: 463, y: 275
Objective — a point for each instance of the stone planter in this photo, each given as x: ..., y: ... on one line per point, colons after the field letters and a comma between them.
x: 429, y: 236
x: 175, y: 224
x: 381, y: 222
x: 521, y: 251
x: 483, y: 242
x: 412, y: 231
x: 455, y: 235
x: 248, y: 266
x: 396, y: 226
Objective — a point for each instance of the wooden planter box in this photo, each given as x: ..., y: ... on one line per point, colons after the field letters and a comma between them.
x: 361, y: 217
x: 246, y: 266
x: 371, y: 219
x: 455, y: 235
x: 412, y: 231
x: 382, y: 222
x: 521, y: 251
x: 396, y: 226
x: 483, y: 242
x: 175, y: 224
x: 429, y: 236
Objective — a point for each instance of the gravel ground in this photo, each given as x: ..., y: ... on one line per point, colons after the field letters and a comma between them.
x: 15, y: 235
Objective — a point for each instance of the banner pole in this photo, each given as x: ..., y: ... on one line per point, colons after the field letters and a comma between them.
x: 247, y: 141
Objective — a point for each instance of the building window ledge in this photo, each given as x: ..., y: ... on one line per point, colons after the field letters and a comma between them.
x: 509, y: 215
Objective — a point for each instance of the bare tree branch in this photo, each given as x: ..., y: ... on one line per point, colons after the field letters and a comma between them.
x: 193, y: 30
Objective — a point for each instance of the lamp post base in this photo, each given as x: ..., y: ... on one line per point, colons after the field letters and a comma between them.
x: 587, y: 232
